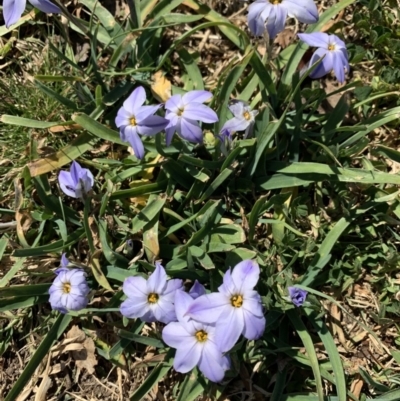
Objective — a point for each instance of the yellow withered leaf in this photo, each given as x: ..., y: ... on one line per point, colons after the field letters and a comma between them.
x: 161, y: 87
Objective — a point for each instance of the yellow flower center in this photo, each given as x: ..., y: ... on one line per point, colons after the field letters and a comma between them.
x: 201, y: 336
x: 152, y: 298
x: 276, y: 1
x: 237, y: 301
x: 180, y: 111
x: 133, y: 121
x: 331, y: 46
x: 66, y: 288
x: 247, y: 115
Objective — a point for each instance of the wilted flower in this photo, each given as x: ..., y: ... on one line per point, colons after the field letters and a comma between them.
x: 184, y: 112
x: 13, y: 9
x: 151, y: 299
x: 334, y: 53
x: 236, y: 309
x: 69, y: 291
x: 77, y: 182
x: 243, y: 119
x: 271, y: 15
x: 297, y: 296
x: 134, y: 119
x: 197, y: 290
x: 194, y: 343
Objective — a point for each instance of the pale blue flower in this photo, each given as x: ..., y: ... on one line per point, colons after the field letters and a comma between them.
x: 332, y: 50
x: 151, y: 299
x: 297, y: 296
x: 77, y: 182
x: 184, y: 113
x: 271, y: 15
x: 69, y: 291
x: 236, y: 309
x: 194, y: 342
x: 243, y: 118
x: 134, y: 119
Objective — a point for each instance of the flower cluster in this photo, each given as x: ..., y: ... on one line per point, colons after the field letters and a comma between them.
x: 183, y: 114
x: 202, y: 327
x: 270, y: 16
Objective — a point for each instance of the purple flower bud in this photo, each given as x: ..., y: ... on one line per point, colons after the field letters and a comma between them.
x: 197, y: 290
x: 151, y: 299
x: 297, y: 296
x: 69, y: 291
x: 236, y: 309
x: 194, y: 342
x: 77, y: 182
x: 134, y: 119
x: 184, y: 112
x: 13, y: 9
x: 271, y: 15
x: 333, y: 52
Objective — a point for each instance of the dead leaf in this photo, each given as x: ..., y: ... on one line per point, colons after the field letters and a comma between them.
x: 284, y: 38
x: 62, y: 128
x: 161, y: 87
x: 85, y: 356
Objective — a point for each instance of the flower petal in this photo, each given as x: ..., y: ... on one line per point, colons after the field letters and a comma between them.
x: 276, y: 20
x: 315, y: 39
x: 131, y: 134
x: 135, y: 100
x: 237, y: 108
x: 211, y: 364
x: 252, y: 303
x: 229, y: 328
x: 190, y: 131
x: 255, y: 20
x: 254, y: 326
x: 236, y: 124
x: 132, y: 309
x: 46, y: 6
x: 182, y: 303
x: 157, y: 281
x: 187, y: 356
x: 174, y: 335
x: 197, y: 290
x: 304, y: 10
x: 245, y: 275
x: 164, y: 311
x: 197, y: 96
x: 144, y: 112
x: 67, y: 184
x: 123, y: 118
x: 12, y: 11
x: 135, y: 286
x: 76, y: 171
x: 325, y: 66
x: 174, y: 103
x: 152, y: 125
x: 199, y: 112
x: 208, y: 308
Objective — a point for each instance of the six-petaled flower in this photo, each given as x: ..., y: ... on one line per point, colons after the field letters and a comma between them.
x: 184, y: 112
x: 331, y: 50
x: 194, y: 342
x: 13, y: 9
x: 69, y: 291
x: 297, y: 296
x: 151, y: 299
x: 134, y: 119
x: 77, y: 182
x: 243, y: 118
x: 271, y: 15
x: 236, y: 308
